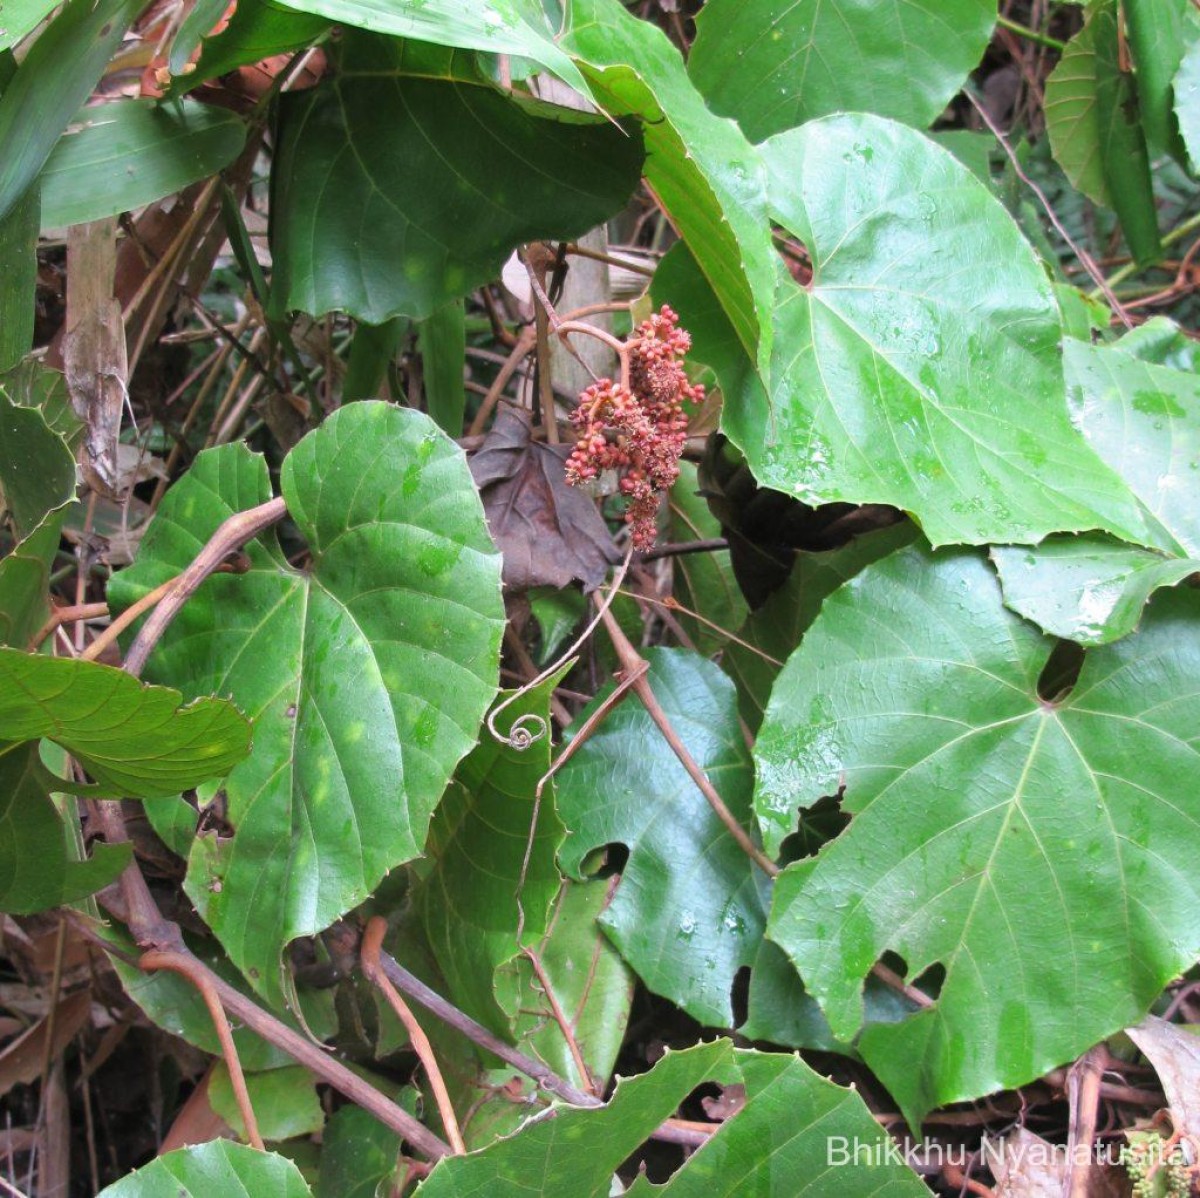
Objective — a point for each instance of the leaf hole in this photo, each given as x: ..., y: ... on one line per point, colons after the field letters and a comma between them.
x: 1061, y: 672
x: 739, y: 996
x: 818, y: 825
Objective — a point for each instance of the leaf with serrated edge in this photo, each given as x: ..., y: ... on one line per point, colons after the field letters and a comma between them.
x: 774, y: 64
x: 902, y: 376
x: 1010, y: 839
x: 133, y: 739
x: 688, y: 913
x: 702, y: 168
x: 1144, y: 421
x: 213, y: 1170
x: 352, y: 748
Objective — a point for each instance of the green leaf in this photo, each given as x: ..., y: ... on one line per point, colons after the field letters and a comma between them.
x: 358, y: 1154
x: 37, y: 481
x: 489, y: 848
x: 900, y: 376
x: 774, y: 64
x: 833, y: 1147
x: 774, y: 630
x: 1144, y: 421
x: 788, y: 1139
x: 517, y: 27
x: 442, y: 340
x: 1022, y: 844
x: 218, y: 1169
x: 133, y: 739
x: 372, y: 350
x: 446, y: 171
x: 351, y: 754
x: 198, y: 21
x: 1187, y: 102
x: 284, y: 1102
x: 18, y: 18
x: 130, y: 153
x: 689, y: 912
x: 578, y: 1150
x: 52, y: 82
x: 258, y: 29
x: 1091, y: 118
x: 591, y: 983
x: 1163, y: 342
x: 702, y: 168
x: 704, y: 582
x: 18, y: 258
x: 1159, y: 35
x: 37, y: 470
x: 38, y: 867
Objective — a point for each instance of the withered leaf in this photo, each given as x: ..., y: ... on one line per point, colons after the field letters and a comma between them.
x: 549, y: 533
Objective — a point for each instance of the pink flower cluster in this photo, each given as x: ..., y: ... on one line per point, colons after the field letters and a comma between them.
x: 639, y: 430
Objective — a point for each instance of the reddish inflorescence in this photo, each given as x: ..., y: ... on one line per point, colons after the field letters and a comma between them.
x: 638, y: 430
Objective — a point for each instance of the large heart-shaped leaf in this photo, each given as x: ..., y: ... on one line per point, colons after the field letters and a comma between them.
x: 916, y: 367
x: 217, y: 1169
x: 702, y: 168
x: 1144, y: 421
x: 689, y: 912
x: 1041, y: 852
x: 446, y: 172
x: 774, y: 64
x: 352, y: 749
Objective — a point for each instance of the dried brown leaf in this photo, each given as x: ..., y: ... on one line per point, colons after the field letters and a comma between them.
x: 549, y: 533
x: 1175, y: 1055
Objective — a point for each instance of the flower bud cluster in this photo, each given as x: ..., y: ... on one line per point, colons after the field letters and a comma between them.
x: 639, y: 430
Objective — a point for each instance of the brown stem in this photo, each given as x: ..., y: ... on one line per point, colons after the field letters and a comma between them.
x: 67, y: 615
x: 713, y: 545
x: 1083, y: 1085
x: 369, y: 955
x: 450, y: 1015
x: 123, y: 621
x: 186, y: 965
x: 560, y: 1017
x: 524, y: 346
x: 630, y: 661
x: 233, y: 534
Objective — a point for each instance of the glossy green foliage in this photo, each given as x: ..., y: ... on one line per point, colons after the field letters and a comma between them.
x: 1187, y: 101
x: 358, y: 1154
x: 284, y: 1101
x: 258, y: 29
x: 127, y: 154
x: 447, y: 172
x: 352, y: 751
x: 774, y: 64
x: 218, y: 1169
x: 900, y: 375
x: 1009, y: 839
x: 1143, y: 419
x: 1160, y: 35
x: 690, y: 908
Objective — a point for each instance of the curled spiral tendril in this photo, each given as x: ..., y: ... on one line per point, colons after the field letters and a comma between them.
x: 529, y: 728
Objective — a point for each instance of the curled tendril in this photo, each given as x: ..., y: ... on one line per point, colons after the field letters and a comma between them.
x: 528, y: 729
